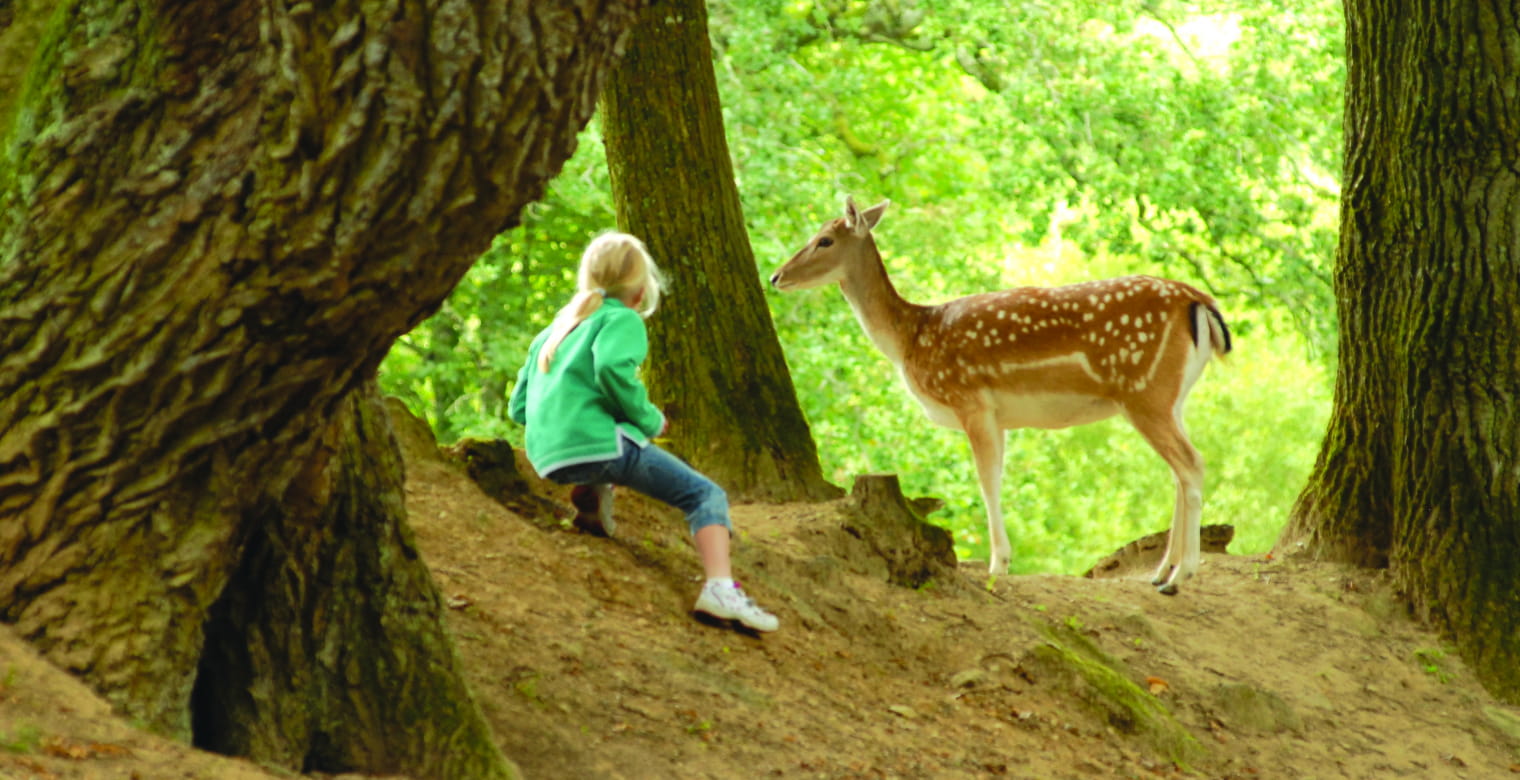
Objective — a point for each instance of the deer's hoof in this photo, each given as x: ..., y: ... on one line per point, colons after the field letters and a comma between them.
x: 1167, y: 589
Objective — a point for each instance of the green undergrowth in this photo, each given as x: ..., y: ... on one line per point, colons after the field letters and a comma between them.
x: 1101, y: 682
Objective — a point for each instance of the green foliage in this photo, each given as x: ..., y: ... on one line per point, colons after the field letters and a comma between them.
x: 1198, y: 139
x: 1028, y: 144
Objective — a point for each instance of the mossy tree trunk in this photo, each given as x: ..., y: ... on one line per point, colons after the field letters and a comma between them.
x: 715, y: 364
x: 1420, y: 469
x: 328, y: 643
x: 215, y: 218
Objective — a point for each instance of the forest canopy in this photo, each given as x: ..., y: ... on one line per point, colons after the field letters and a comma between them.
x: 1037, y: 144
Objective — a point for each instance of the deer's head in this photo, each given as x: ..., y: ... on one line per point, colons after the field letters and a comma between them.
x: 830, y: 255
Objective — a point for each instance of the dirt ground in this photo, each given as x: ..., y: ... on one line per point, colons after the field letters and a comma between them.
x: 587, y: 660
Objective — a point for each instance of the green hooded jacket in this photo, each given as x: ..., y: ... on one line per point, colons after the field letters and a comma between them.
x: 591, y: 394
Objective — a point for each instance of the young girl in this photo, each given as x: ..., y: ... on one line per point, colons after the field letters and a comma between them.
x: 589, y: 419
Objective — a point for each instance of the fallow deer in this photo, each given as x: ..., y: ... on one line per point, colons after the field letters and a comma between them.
x: 1035, y: 357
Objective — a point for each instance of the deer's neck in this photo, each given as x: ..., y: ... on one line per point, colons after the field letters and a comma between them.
x: 889, y: 320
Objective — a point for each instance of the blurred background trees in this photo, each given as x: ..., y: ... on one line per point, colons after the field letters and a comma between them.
x: 1027, y: 143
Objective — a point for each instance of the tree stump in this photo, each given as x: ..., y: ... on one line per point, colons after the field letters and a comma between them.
x: 492, y: 465
x: 915, y: 551
x: 1145, y: 553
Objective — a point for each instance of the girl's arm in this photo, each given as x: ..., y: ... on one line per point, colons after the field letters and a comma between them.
x: 517, y: 405
x: 619, y: 350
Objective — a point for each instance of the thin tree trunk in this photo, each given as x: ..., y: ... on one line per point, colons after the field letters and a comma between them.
x: 214, y: 221
x: 1421, y: 467
x: 716, y: 365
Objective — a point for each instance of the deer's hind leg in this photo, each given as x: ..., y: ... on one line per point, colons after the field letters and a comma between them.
x: 1183, y: 549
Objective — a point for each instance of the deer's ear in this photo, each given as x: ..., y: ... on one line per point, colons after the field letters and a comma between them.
x: 851, y: 214
x: 871, y: 216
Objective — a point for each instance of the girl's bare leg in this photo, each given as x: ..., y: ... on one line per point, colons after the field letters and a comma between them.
x: 712, y: 548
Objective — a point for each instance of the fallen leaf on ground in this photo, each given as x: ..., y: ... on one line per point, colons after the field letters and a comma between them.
x: 62, y: 748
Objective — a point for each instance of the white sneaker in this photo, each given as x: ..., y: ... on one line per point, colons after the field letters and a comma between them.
x: 729, y: 602
x: 593, y: 505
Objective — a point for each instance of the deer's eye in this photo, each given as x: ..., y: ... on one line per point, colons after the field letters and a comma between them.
x: 825, y: 241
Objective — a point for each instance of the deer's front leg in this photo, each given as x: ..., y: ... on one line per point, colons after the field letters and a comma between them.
x: 987, y: 450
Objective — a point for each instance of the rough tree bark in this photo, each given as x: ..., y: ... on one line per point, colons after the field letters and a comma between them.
x: 716, y: 365
x: 1420, y: 469
x: 215, y: 218
x: 329, y: 605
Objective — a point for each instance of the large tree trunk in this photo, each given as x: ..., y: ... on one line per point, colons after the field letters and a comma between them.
x: 215, y: 218
x: 328, y: 643
x: 716, y: 365
x: 1421, y: 466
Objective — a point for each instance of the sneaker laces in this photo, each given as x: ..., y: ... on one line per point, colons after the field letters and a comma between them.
x: 743, y: 597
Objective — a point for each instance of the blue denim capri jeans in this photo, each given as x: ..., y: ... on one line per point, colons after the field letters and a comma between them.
x: 659, y: 475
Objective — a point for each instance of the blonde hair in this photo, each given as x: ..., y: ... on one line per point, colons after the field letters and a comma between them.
x: 613, y: 265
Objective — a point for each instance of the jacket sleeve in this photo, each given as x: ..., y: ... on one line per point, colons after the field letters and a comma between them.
x: 517, y: 405
x: 619, y: 350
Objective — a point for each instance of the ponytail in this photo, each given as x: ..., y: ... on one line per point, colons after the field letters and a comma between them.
x: 583, y: 305
x: 615, y: 264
